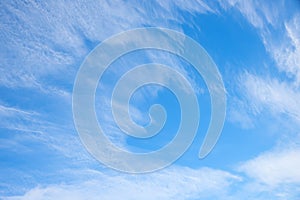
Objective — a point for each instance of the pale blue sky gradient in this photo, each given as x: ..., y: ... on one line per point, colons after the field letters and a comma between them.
x: 256, y: 46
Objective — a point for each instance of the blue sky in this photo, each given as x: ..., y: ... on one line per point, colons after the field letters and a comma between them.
x: 256, y: 46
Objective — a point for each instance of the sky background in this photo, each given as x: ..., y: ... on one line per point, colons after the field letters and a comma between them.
x: 256, y: 46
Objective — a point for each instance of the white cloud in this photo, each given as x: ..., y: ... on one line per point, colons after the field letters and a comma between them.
x: 274, y: 167
x: 272, y: 175
x: 119, y: 68
x: 17, y: 119
x: 68, y: 31
x: 9, y: 111
x: 238, y: 113
x: 34, y: 128
x: 271, y: 94
x: 50, y: 38
x: 259, y: 14
x: 170, y: 183
x: 43, y: 43
x: 249, y: 10
x: 287, y: 53
x: 278, y: 26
